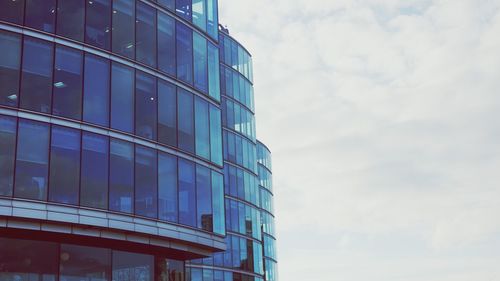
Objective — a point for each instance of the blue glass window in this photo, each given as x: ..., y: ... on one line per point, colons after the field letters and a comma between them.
x: 167, y: 114
x: 218, y: 203
x: 208, y: 275
x: 98, y: 23
x: 204, y: 198
x: 146, y: 182
x: 184, y: 39
x: 200, y: 62
x: 7, y: 150
x: 84, y: 263
x: 122, y: 97
x: 212, y: 18
x: 166, y: 43
x: 213, y: 72
x: 183, y: 9
x: 121, y: 176
x: 199, y: 14
x: 146, y: 34
x: 64, y: 165
x: 36, y: 84
x: 215, y: 135
x: 96, y: 90
x: 169, y: 4
x: 10, y: 63
x: 70, y: 18
x: 202, y: 127
x: 145, y: 105
x: 167, y: 187
x: 41, y: 14
x: 185, y: 120
x: 67, y: 95
x: 131, y: 267
x: 12, y: 11
x: 124, y: 27
x: 32, y: 160
x: 94, y: 177
x: 187, y: 193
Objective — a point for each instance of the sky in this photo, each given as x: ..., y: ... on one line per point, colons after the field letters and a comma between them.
x: 383, y: 119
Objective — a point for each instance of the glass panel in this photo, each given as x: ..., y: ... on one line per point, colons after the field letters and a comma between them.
x: 64, y: 165
x: 213, y: 72
x: 132, y: 267
x: 122, y: 97
x: 121, y: 176
x: 167, y: 113
x: 183, y: 9
x: 146, y: 34
x: 32, y: 160
x: 200, y: 62
x: 208, y: 275
x: 185, y: 120
x: 212, y: 18
x: 96, y: 90
x: 146, y: 182
x: 7, y: 150
x: 196, y: 274
x: 199, y: 14
x: 204, y: 198
x: 68, y: 83
x: 94, y: 184
x: 79, y: 263
x: 36, y: 87
x: 184, y: 53
x: 166, y: 43
x: 123, y: 27
x: 167, y: 187
x: 202, y: 128
x: 169, y: 4
x: 98, y: 23
x: 215, y: 135
x: 70, y: 19
x: 41, y: 14
x: 187, y: 193
x: 145, y: 105
x: 218, y: 203
x: 10, y: 63
x: 12, y: 11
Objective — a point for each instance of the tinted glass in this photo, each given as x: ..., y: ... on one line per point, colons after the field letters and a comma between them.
x: 202, y: 128
x: 146, y: 34
x: 166, y: 43
x: 167, y: 113
x: 167, y: 187
x: 94, y: 177
x: 84, y: 263
x: 123, y: 27
x: 184, y: 53
x: 36, y: 87
x: 10, y: 63
x: 132, y: 267
x: 187, y: 193
x: 167, y: 4
x: 122, y: 97
x: 121, y: 176
x: 212, y: 18
x: 185, y: 120
x: 146, y: 185
x: 70, y: 18
x: 200, y: 62
x: 98, y: 23
x: 96, y: 90
x: 41, y: 14
x: 145, y: 105
x: 7, y: 150
x: 213, y: 72
x: 199, y: 14
x: 183, y: 9
x: 12, y: 11
x: 204, y: 198
x: 215, y: 135
x: 32, y: 160
x: 68, y: 77
x: 218, y: 203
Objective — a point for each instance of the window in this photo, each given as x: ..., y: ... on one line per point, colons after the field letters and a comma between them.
x: 121, y: 176
x: 32, y: 160
x: 94, y: 177
x: 146, y: 184
x: 166, y: 43
x: 200, y: 62
x: 219, y: 226
x: 167, y: 187
x: 146, y: 34
x: 36, y: 87
x: 41, y: 14
x: 187, y: 193
x: 123, y: 27
x: 204, y: 198
x: 208, y: 275
x: 202, y: 128
x: 213, y: 72
x: 215, y: 135
x: 132, y: 266
x: 196, y: 274
x: 67, y: 92
x: 172, y: 269
x: 96, y: 90
x: 169, y: 4
x: 145, y: 105
x: 64, y: 165
x: 98, y: 23
x: 84, y: 263
x: 70, y: 18
x: 10, y: 62
x: 167, y: 115
x: 12, y: 11
x: 199, y: 14
x: 184, y: 53
x: 7, y: 150
x: 183, y: 9
x: 212, y: 18
x: 185, y: 120
x: 122, y: 97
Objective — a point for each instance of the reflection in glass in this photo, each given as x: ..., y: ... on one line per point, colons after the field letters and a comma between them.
x: 70, y: 18
x: 185, y: 120
x: 132, y: 267
x: 212, y: 18
x: 84, y: 263
x: 184, y: 53
x: 40, y: 14
x: 145, y: 105
x: 166, y: 43
x: 183, y: 9
x: 121, y: 176
x: 7, y: 150
x: 67, y: 93
x: 167, y: 113
x: 187, y: 193
x: 94, y: 178
x: 199, y: 14
x: 98, y: 23
x: 202, y: 127
x: 204, y: 198
x: 218, y: 203
x: 213, y: 72
x: 167, y: 187
x: 215, y: 135
x: 12, y: 11
x: 200, y: 62
x: 122, y: 97
x: 146, y: 182
x: 96, y: 90
x: 123, y: 27
x: 10, y: 63
x: 146, y: 34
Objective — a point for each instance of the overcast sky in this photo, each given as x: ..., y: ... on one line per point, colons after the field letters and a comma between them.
x: 383, y: 117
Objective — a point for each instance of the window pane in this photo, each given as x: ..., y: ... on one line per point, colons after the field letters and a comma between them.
x: 184, y: 53
x: 70, y: 18
x: 167, y: 187
x: 64, y: 165
x: 167, y: 115
x: 199, y: 14
x: 68, y: 83
x: 96, y: 90
x: 212, y: 18
x: 218, y: 203
x: 41, y: 14
x: 204, y: 198
x: 7, y: 150
x: 169, y: 4
x: 12, y: 11
x: 200, y: 62
x: 36, y: 87
x: 166, y: 43
x: 208, y: 275
x: 10, y: 63
x: 187, y: 194
x: 146, y: 185
x: 121, y: 176
x: 132, y: 267
x: 213, y: 72
x: 185, y: 120
x: 84, y: 263
x: 145, y: 105
x: 122, y: 97
x: 215, y: 135
x: 32, y: 160
x: 183, y: 9
x: 123, y: 27
x: 98, y: 21
x: 202, y: 128
x: 94, y: 184
x: 146, y: 34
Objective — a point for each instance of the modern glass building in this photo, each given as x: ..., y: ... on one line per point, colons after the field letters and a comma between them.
x: 127, y: 145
